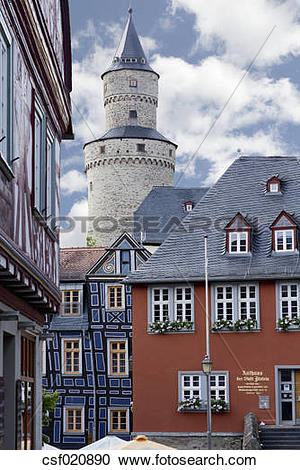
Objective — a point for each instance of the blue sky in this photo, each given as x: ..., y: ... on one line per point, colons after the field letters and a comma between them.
x: 202, y: 52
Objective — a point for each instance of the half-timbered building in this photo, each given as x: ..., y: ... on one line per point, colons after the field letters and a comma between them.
x: 35, y: 115
x: 89, y: 360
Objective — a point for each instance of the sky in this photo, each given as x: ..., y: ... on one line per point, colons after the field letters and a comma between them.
x: 229, y: 84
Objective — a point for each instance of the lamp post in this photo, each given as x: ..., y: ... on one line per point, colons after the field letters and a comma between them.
x: 207, y: 367
x: 207, y: 363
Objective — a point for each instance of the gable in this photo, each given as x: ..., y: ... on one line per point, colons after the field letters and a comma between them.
x: 284, y: 220
x: 238, y: 223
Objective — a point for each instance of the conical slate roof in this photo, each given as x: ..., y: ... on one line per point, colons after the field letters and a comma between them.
x: 130, y: 53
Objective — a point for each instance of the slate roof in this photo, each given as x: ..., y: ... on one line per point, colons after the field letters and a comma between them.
x: 132, y: 132
x: 129, y: 48
x: 166, y: 205
x: 76, y: 262
x: 242, y: 188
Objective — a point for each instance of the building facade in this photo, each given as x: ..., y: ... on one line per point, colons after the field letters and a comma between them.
x: 251, y: 217
x: 132, y: 156
x: 89, y: 361
x: 35, y: 115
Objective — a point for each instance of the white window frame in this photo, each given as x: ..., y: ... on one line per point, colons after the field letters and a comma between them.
x: 6, y: 95
x: 39, y: 157
x: 133, y: 83
x: 107, y: 298
x: 109, y: 364
x: 172, y: 303
x: 274, y: 188
x: 289, y: 299
x: 201, y: 391
x: 236, y: 301
x: 51, y: 176
x: 284, y: 232
x: 63, y: 371
x: 74, y: 407
x: 239, y: 235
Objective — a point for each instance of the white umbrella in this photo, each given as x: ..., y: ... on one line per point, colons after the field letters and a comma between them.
x: 107, y: 442
x: 142, y: 443
x: 48, y: 447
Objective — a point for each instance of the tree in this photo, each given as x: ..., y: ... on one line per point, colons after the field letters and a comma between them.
x: 90, y: 241
x: 49, y: 403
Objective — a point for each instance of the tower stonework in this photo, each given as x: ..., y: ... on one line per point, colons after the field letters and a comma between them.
x: 131, y: 157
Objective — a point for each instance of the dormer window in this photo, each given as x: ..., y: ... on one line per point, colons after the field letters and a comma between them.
x: 133, y: 82
x: 188, y: 206
x: 238, y: 235
x: 273, y: 185
x: 238, y: 242
x: 284, y: 230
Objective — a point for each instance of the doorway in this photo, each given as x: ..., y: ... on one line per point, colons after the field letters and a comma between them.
x: 289, y: 396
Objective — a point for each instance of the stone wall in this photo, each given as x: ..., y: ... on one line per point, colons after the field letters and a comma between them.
x: 251, y: 435
x: 120, y: 179
x: 220, y: 441
x: 120, y: 98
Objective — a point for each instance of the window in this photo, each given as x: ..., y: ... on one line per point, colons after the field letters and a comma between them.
x: 133, y: 83
x: 102, y: 149
x: 188, y: 206
x: 170, y: 153
x: 51, y: 176
x: 118, y: 357
x: 273, y: 185
x: 141, y: 148
x: 6, y: 106
x: 39, y: 158
x: 238, y: 242
x: 115, y: 297
x: 284, y: 240
x: 71, y: 356
x: 236, y: 302
x: 125, y: 262
x: 74, y: 420
x: 289, y: 300
x: 284, y: 232
x: 118, y: 421
x: 193, y: 385
x: 172, y: 303
x: 132, y: 114
x: 70, y: 303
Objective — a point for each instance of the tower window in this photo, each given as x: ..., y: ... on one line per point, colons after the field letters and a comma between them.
x: 91, y: 186
x: 170, y: 153
x: 133, y: 114
x: 188, y: 206
x: 141, y: 148
x: 133, y: 82
x: 102, y: 149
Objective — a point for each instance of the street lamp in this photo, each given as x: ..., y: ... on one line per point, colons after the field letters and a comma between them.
x: 207, y: 363
x: 207, y: 368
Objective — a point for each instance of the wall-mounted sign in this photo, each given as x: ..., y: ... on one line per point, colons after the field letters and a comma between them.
x: 264, y: 402
x: 253, y: 382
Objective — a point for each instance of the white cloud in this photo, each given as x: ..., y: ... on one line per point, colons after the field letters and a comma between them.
x: 193, y: 94
x: 239, y: 29
x: 73, y: 182
x: 77, y: 234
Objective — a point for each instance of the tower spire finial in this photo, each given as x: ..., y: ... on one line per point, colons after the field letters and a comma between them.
x: 130, y: 10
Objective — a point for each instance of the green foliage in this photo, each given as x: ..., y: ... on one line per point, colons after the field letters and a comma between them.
x: 239, y: 325
x: 90, y: 241
x: 49, y: 403
x: 190, y: 404
x: 161, y: 327
x: 218, y: 406
x: 286, y: 324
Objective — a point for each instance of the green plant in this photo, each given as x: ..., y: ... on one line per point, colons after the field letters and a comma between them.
x: 218, y: 406
x: 161, y: 327
x: 49, y: 401
x: 90, y: 241
x: 239, y: 325
x: 190, y: 404
x: 285, y: 323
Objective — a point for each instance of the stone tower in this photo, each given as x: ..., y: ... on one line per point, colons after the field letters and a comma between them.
x: 131, y: 157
